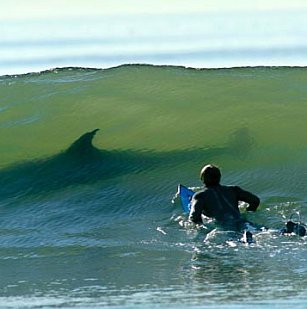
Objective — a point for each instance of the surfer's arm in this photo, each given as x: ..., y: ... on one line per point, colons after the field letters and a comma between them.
x: 247, y: 197
x: 196, y: 209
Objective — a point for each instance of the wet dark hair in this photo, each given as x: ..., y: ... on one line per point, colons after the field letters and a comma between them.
x: 210, y: 175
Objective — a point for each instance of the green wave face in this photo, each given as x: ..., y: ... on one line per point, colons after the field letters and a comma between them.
x: 258, y: 114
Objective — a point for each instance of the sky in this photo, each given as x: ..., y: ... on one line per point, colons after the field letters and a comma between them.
x: 43, y: 34
x: 50, y: 9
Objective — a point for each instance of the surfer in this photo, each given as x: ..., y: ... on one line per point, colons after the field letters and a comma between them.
x: 220, y: 202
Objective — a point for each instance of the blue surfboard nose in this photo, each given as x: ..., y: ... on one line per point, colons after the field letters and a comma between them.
x: 185, y: 195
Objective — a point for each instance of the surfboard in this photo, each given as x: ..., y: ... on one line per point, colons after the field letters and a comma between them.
x: 185, y: 195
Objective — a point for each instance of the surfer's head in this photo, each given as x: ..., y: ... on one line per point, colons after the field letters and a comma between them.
x: 210, y: 175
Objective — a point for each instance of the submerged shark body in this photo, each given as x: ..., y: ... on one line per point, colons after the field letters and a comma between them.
x: 82, y: 163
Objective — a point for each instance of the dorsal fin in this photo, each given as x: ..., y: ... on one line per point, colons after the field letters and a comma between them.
x: 83, y: 145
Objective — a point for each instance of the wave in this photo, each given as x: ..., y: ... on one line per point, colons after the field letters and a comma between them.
x: 159, y: 123
x: 260, y: 110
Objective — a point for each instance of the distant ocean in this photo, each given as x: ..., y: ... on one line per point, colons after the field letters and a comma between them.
x: 199, y: 39
x: 93, y: 220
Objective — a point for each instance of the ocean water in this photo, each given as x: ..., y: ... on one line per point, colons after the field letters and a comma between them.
x: 97, y: 226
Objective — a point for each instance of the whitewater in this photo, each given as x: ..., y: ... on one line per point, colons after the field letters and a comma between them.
x: 92, y: 220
